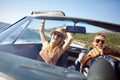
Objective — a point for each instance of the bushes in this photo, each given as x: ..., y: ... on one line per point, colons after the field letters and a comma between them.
x: 113, y: 41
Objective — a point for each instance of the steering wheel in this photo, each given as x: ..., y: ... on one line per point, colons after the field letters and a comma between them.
x: 106, y: 52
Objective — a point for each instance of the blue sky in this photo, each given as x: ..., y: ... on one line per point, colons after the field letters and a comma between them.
x: 104, y: 10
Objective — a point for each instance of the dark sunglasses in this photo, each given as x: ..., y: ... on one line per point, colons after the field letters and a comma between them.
x: 58, y: 34
x: 99, y: 40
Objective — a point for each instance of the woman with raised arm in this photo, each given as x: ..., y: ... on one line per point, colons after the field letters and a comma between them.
x: 53, y: 49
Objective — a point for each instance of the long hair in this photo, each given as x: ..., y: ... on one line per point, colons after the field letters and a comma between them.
x: 57, y: 47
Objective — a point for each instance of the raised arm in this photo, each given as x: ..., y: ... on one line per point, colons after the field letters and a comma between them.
x: 41, y: 31
x: 68, y: 41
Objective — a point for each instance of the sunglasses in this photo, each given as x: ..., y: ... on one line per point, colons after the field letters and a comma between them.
x: 99, y: 40
x: 58, y: 34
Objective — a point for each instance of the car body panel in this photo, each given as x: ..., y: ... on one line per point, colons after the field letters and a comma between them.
x: 26, y: 50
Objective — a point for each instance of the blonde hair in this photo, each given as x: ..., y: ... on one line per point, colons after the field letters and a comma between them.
x: 59, y: 45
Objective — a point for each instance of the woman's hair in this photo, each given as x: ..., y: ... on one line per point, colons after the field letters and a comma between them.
x: 53, y: 50
x: 59, y: 45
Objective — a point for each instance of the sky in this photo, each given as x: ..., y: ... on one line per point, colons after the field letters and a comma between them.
x: 103, y: 10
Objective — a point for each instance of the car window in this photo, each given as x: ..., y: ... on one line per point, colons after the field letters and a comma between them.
x: 11, y: 34
x: 31, y: 32
x: 26, y: 31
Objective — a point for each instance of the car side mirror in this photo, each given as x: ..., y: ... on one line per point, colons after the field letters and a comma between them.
x: 76, y: 29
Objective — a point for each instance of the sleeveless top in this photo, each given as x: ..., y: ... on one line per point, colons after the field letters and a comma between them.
x: 48, y: 57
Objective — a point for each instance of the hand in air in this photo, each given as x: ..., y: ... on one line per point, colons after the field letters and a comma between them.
x: 42, y: 24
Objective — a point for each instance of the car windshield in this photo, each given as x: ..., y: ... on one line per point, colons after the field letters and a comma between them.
x: 27, y: 31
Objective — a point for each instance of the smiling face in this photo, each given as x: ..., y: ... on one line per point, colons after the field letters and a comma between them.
x: 56, y: 37
x: 99, y: 41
